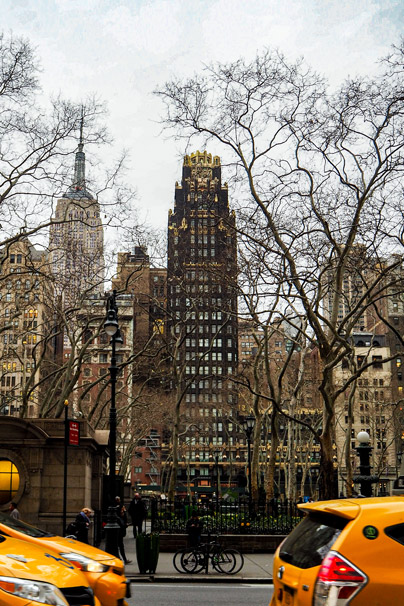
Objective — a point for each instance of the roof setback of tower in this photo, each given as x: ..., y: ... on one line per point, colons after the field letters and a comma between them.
x: 201, y: 159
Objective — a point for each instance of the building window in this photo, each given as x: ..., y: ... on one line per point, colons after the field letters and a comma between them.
x: 377, y: 362
x: 9, y: 481
x: 103, y: 338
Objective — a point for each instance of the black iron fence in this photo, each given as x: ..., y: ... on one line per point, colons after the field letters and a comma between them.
x: 222, y: 517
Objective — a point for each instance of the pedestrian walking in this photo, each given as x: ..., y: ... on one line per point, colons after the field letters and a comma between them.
x: 14, y: 513
x: 82, y: 524
x: 122, y: 517
x: 137, y: 511
x: 194, y: 529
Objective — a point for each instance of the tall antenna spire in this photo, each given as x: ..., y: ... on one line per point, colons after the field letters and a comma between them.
x: 79, y: 182
x: 81, y: 129
x: 78, y: 187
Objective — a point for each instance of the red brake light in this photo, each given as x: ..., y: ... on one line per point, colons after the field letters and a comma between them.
x: 336, y: 569
x: 338, y: 581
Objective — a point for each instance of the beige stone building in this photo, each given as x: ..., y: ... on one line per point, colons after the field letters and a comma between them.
x: 32, y: 471
x: 368, y: 405
x: 26, y: 297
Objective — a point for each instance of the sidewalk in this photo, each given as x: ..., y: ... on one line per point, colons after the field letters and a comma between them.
x: 257, y: 569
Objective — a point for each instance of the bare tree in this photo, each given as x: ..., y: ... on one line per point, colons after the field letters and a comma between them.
x: 319, y: 176
x: 38, y: 139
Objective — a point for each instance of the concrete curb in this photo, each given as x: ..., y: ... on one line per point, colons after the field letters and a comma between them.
x: 202, y: 578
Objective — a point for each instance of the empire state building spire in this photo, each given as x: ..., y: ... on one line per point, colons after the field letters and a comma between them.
x: 76, y: 237
x: 78, y: 188
x: 80, y: 163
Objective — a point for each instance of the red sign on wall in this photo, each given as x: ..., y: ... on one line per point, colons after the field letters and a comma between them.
x: 74, y: 433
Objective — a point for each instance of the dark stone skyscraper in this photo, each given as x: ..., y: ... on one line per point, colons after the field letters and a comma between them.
x: 202, y: 305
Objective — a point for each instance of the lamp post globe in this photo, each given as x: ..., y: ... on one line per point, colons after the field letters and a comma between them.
x: 363, y: 437
x: 111, y: 323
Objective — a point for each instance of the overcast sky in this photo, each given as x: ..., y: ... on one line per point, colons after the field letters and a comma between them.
x: 123, y: 49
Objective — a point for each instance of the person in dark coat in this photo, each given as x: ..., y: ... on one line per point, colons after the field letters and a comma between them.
x: 137, y: 511
x: 194, y: 529
x: 82, y: 523
x: 123, y: 522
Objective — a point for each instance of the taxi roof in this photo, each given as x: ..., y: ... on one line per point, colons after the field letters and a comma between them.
x: 350, y: 508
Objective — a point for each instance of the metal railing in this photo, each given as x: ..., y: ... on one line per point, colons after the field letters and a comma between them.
x: 237, y: 517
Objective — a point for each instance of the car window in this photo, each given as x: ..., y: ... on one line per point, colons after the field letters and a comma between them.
x: 311, y: 540
x: 22, y: 527
x: 396, y: 532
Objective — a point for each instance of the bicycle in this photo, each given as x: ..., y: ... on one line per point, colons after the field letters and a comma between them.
x: 195, y: 559
x: 177, y: 559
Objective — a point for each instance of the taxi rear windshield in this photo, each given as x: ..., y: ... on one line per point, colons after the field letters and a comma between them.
x: 308, y: 544
x: 22, y: 527
x: 396, y: 532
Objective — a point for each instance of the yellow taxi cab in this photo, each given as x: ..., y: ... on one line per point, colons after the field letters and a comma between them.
x: 346, y: 551
x: 104, y: 572
x: 31, y: 575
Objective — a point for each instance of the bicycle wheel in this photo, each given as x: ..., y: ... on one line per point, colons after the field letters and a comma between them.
x: 192, y: 561
x: 224, y: 561
x: 177, y: 560
x: 238, y: 559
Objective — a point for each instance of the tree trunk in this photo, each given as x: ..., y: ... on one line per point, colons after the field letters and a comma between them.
x: 174, y: 467
x: 291, y: 463
x: 271, y: 466
x: 255, y: 457
x: 327, y: 484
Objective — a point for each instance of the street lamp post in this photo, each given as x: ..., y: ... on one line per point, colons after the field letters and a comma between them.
x: 217, y: 453
x: 65, y: 466
x: 111, y: 327
x: 248, y: 426
x: 363, y: 450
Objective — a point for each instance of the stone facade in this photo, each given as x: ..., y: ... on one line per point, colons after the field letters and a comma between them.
x: 36, y: 447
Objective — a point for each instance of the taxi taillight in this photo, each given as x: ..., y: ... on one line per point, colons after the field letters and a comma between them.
x: 337, y: 581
